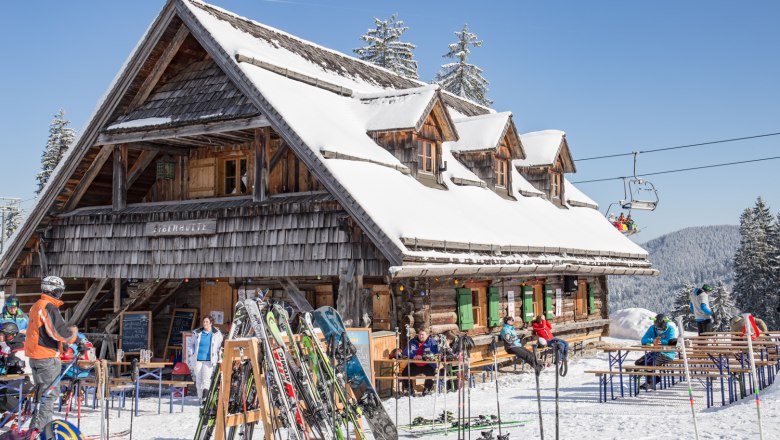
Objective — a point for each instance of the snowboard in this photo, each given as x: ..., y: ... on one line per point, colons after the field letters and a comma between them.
x: 332, y: 326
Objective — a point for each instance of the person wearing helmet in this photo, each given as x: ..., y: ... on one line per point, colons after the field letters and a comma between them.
x: 8, y: 330
x: 700, y: 307
x: 12, y: 313
x: 46, y: 333
x: 661, y: 333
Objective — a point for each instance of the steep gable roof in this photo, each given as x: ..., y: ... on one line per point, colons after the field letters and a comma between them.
x: 406, y: 110
x: 485, y: 133
x: 544, y: 147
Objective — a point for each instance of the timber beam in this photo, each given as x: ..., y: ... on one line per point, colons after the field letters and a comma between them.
x: 119, y: 187
x: 89, y: 176
x: 140, y: 165
x: 187, y: 130
x: 80, y: 311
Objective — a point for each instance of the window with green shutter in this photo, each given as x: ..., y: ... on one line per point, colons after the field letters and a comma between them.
x: 548, y: 302
x: 528, y: 303
x: 591, y: 300
x: 493, y: 300
x: 465, y: 314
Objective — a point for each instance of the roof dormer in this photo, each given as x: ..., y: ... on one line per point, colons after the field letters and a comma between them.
x: 412, y: 124
x: 548, y: 159
x: 487, y: 146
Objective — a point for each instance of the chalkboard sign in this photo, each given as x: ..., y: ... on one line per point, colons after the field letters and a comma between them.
x: 182, y: 320
x: 135, y: 331
x: 361, y: 339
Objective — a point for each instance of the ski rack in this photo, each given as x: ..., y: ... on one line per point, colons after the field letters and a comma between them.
x: 238, y: 350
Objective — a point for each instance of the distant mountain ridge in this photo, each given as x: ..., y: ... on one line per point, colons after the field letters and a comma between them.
x: 697, y: 254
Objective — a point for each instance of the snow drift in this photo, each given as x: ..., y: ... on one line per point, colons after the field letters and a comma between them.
x: 630, y: 323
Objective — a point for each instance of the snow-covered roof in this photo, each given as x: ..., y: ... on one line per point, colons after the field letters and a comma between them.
x: 332, y: 122
x: 480, y: 133
x: 542, y: 148
x: 329, y: 132
x: 575, y: 197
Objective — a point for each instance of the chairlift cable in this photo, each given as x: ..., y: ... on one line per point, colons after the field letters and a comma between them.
x: 608, y: 156
x: 681, y: 169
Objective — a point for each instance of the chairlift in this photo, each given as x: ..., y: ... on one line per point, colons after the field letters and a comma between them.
x: 638, y: 194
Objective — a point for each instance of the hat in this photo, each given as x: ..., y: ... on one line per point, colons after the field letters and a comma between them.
x: 507, y: 319
x: 707, y: 288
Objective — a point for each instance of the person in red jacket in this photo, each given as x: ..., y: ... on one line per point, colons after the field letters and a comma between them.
x: 543, y: 329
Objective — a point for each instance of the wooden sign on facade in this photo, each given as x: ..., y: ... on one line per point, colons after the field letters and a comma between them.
x: 181, y: 227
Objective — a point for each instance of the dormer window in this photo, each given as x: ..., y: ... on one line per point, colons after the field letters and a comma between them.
x: 502, y: 166
x: 427, y: 155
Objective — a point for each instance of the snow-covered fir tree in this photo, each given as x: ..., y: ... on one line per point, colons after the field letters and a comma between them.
x: 682, y: 305
x: 755, y: 269
x: 460, y: 77
x: 385, y: 48
x: 723, y: 307
x: 60, y: 139
x: 13, y: 218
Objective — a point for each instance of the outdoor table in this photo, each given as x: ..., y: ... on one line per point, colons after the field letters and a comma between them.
x: 6, y: 384
x: 151, y: 370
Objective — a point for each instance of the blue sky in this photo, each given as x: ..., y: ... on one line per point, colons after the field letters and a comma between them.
x: 616, y: 76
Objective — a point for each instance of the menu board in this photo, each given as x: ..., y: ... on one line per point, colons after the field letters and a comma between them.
x: 135, y: 330
x: 182, y: 320
x: 361, y: 339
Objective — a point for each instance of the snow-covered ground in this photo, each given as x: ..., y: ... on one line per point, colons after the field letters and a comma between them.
x: 663, y: 414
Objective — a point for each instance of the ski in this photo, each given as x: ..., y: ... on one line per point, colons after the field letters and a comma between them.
x: 332, y: 326
x: 478, y: 424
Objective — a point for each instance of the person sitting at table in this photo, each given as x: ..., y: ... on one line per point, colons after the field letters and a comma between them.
x: 514, y: 344
x: 12, y: 313
x: 543, y: 329
x: 737, y: 325
x: 659, y: 334
x: 203, y: 354
x: 420, y: 347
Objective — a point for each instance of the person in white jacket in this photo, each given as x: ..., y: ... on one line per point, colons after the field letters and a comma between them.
x: 203, y: 354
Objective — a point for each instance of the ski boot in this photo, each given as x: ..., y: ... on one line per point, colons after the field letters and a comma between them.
x: 487, y: 435
x: 503, y: 437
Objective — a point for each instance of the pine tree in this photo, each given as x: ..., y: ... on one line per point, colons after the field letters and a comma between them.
x: 723, y: 307
x: 60, y: 139
x: 755, y: 268
x: 13, y: 218
x: 461, y: 78
x: 682, y: 305
x: 385, y: 48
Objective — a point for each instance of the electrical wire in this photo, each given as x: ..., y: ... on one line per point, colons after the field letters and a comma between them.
x: 681, y: 170
x: 722, y: 141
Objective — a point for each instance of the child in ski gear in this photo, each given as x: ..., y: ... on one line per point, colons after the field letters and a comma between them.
x: 12, y: 313
x: 700, y: 307
x: 420, y: 347
x: 46, y: 333
x: 543, y: 329
x: 514, y: 345
x: 660, y: 333
x: 203, y: 354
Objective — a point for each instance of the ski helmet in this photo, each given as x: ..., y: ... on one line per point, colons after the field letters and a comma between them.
x: 53, y: 286
x: 60, y: 430
x: 707, y: 288
x: 661, y: 321
x: 9, y: 329
x: 12, y: 302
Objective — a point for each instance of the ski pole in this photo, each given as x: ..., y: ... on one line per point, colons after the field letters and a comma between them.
x: 395, y: 371
x: 556, y: 355
x: 749, y: 333
x: 435, y: 391
x: 681, y: 343
x: 494, y: 347
x: 46, y: 391
x: 538, y: 395
x: 133, y: 378
x: 468, y: 387
x: 409, y: 386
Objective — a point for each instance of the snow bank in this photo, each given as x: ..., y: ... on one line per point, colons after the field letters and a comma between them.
x: 630, y: 323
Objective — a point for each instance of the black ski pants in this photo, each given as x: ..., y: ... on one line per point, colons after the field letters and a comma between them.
x: 653, y: 358
x: 526, y: 355
x: 704, y: 326
x: 426, y: 370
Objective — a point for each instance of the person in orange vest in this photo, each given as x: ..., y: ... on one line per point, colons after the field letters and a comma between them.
x: 46, y: 333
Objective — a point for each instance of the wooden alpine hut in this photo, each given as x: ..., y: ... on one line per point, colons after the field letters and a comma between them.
x: 230, y: 157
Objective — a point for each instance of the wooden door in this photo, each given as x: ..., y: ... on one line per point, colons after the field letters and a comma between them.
x: 538, y: 299
x: 217, y: 296
x: 381, y: 308
x: 581, y: 301
x: 479, y: 306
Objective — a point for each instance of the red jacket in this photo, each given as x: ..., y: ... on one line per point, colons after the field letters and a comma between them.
x: 543, y: 330
x: 47, y: 330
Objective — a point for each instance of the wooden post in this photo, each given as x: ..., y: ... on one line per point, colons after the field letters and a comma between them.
x: 117, y: 294
x: 259, y: 145
x: 233, y: 352
x: 119, y: 195
x: 12, y: 288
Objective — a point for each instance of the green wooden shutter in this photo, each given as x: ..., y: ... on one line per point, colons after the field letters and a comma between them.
x: 548, y: 302
x: 493, y: 300
x: 591, y: 300
x: 465, y: 314
x: 528, y: 303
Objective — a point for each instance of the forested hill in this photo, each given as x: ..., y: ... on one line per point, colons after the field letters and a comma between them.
x: 698, y: 255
